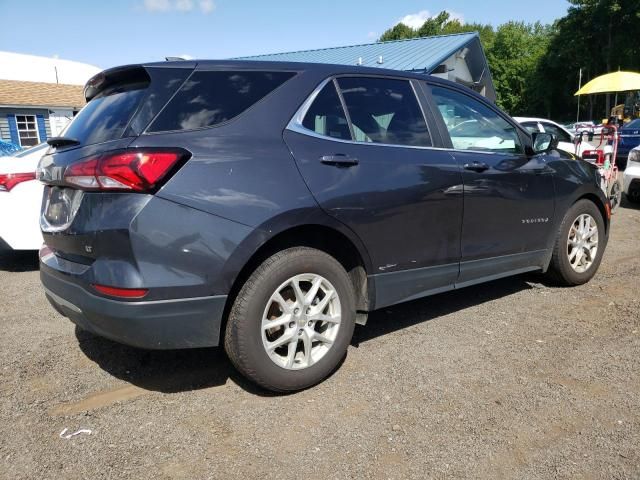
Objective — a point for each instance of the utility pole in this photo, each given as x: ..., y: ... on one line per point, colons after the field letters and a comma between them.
x: 579, y: 87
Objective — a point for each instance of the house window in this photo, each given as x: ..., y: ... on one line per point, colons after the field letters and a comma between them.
x: 27, y: 130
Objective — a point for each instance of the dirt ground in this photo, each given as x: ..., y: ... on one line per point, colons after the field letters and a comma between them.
x: 512, y: 379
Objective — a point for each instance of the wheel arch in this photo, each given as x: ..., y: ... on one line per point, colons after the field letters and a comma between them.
x: 602, y: 207
x: 323, y: 237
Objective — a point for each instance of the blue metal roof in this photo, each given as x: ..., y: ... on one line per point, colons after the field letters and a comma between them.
x: 415, y: 54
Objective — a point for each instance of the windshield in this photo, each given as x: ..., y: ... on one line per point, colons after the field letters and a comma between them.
x: 106, y: 116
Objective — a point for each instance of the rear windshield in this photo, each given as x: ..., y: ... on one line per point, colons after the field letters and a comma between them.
x: 210, y: 98
x: 633, y: 124
x: 106, y: 116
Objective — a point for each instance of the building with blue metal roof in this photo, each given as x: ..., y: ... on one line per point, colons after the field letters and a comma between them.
x: 457, y: 57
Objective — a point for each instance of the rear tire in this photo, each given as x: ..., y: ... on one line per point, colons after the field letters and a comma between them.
x: 292, y: 321
x: 579, y: 245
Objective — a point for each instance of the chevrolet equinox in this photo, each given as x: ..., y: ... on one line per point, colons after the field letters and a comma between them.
x: 269, y: 207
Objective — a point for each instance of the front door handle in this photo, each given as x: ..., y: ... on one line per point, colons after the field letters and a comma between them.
x: 339, y: 160
x: 476, y: 166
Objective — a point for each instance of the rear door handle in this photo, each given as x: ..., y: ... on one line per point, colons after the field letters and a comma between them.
x: 476, y: 166
x: 339, y: 160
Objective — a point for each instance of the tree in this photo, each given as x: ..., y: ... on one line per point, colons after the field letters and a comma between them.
x: 535, y: 67
x: 514, y: 58
x: 598, y: 36
x: 398, y: 32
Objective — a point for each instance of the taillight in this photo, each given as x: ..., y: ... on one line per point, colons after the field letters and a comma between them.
x: 132, y: 170
x: 10, y: 180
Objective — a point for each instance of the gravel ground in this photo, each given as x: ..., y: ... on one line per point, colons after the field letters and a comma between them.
x: 512, y: 379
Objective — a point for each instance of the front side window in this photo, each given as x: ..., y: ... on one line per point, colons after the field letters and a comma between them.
x: 560, y: 134
x: 384, y: 110
x: 210, y: 98
x: 532, y: 127
x: 27, y: 130
x: 326, y: 115
x: 473, y: 125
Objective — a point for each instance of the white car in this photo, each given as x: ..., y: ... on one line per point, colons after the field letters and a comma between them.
x: 565, y: 138
x: 631, y: 177
x: 20, y: 200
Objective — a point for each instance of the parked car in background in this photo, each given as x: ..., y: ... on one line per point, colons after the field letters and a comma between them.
x: 20, y: 200
x: 588, y: 127
x: 270, y: 206
x: 629, y: 139
x: 631, y: 177
x: 564, y: 137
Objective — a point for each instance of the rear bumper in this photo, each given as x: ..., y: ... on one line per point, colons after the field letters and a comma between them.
x: 161, y: 324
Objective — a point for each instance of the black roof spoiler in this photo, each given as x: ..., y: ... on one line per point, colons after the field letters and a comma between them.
x: 114, y: 76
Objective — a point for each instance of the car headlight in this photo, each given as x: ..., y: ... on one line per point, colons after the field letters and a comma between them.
x: 634, y: 156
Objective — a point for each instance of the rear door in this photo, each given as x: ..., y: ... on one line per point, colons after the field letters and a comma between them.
x: 364, y: 149
x: 508, y: 195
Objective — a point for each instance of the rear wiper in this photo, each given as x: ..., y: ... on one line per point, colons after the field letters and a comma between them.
x: 62, y: 141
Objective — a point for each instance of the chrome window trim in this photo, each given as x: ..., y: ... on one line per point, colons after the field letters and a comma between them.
x: 295, y: 125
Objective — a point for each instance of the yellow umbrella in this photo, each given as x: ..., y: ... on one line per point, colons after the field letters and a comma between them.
x: 612, y: 82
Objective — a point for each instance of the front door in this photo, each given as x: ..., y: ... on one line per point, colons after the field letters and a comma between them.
x: 364, y: 149
x: 508, y: 195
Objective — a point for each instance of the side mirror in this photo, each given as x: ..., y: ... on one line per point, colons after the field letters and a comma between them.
x: 543, y: 142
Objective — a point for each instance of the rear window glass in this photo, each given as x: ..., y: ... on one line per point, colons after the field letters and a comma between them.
x: 384, y: 110
x: 326, y: 116
x: 210, y: 98
x: 633, y: 124
x: 106, y: 116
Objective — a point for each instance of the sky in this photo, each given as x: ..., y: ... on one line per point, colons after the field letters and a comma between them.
x: 114, y: 32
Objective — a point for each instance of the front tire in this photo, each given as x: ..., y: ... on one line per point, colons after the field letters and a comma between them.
x: 292, y: 321
x: 615, y: 195
x: 579, y: 245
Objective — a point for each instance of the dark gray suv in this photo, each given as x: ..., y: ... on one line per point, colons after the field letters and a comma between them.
x: 271, y: 206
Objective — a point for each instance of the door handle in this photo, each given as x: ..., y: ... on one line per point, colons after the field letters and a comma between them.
x: 339, y: 160
x: 476, y: 166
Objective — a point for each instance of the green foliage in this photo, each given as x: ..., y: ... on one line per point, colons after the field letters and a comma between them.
x: 599, y: 36
x: 513, y: 59
x: 535, y: 67
x: 398, y: 32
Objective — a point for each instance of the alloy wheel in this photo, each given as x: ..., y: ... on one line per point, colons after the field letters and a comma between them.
x: 301, y: 321
x: 582, y: 243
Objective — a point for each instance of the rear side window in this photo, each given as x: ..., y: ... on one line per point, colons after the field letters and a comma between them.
x: 326, y: 115
x: 384, y: 110
x: 106, y: 116
x: 209, y: 98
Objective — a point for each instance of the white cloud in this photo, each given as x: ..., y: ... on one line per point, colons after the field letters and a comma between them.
x: 415, y: 20
x: 157, y: 5
x: 372, y: 35
x: 184, y: 5
x: 455, y: 16
x: 205, y: 6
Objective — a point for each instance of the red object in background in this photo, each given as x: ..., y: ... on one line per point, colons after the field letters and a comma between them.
x: 594, y: 156
x: 10, y: 180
